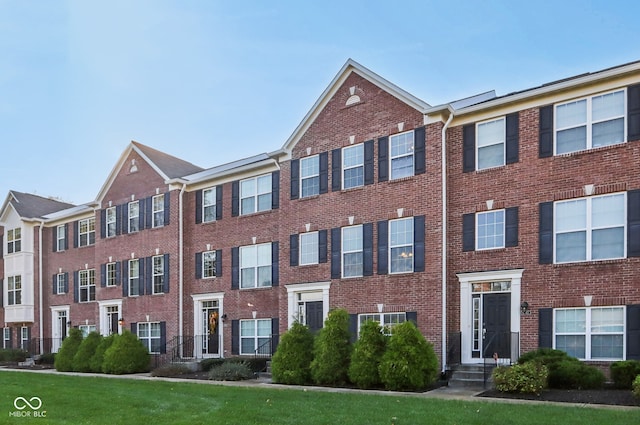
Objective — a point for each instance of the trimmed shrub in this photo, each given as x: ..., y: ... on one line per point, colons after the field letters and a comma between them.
x: 332, y: 350
x: 207, y: 364
x: 547, y: 356
x: 98, y: 357
x: 529, y: 378
x: 82, y: 358
x: 70, y: 345
x: 409, y: 363
x: 291, y: 363
x: 573, y: 374
x: 170, y: 370
x: 635, y: 387
x: 127, y: 354
x: 367, y: 355
x: 231, y: 371
x: 13, y: 355
x: 624, y: 372
x: 46, y: 359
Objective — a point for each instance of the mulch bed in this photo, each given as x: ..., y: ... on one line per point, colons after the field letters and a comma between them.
x: 608, y: 396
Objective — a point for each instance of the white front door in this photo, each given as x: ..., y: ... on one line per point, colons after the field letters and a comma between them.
x: 59, y: 328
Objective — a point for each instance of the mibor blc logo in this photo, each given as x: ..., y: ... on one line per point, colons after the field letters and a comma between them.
x: 28, y: 408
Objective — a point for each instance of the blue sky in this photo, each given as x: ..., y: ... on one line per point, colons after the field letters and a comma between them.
x: 214, y: 81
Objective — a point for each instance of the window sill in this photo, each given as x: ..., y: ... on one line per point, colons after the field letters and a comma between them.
x: 488, y: 250
x: 259, y: 288
x: 591, y: 263
x: 352, y: 189
x: 488, y: 170
x: 256, y: 213
x: 401, y: 179
x: 307, y: 198
x: 588, y: 151
x: 307, y: 266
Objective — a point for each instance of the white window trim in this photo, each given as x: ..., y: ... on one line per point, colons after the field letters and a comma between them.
x: 343, y: 251
x: 147, y: 340
x: 313, y: 176
x: 255, y: 336
x: 351, y: 167
x: 85, y: 282
x: 392, y: 157
x: 389, y: 259
x: 381, y: 320
x: 503, y: 142
x: 131, y: 278
x: 205, y: 205
x: 90, y: 224
x: 60, y: 237
x: 256, y: 267
x: 504, y: 229
x: 11, y: 281
x: 111, y: 217
x: 204, y: 260
x: 111, y: 282
x: 256, y: 195
x: 133, y: 218
x: 155, y: 275
x: 159, y: 210
x: 308, y: 234
x: 13, y: 241
x: 60, y: 281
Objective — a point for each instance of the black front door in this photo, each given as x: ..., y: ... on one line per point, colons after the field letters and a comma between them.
x: 314, y: 315
x: 496, y: 317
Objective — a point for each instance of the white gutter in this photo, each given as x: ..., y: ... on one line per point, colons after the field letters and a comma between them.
x: 181, y: 265
x: 40, y: 321
x: 444, y: 240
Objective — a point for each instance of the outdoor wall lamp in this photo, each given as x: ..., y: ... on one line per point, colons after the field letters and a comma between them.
x: 224, y: 317
x: 121, y: 321
x: 524, y: 308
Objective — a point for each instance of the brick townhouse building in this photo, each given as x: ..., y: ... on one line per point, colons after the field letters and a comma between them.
x: 496, y: 224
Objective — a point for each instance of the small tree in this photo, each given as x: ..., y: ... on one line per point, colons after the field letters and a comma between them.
x: 291, y: 362
x: 82, y: 358
x: 127, y: 354
x: 409, y: 362
x: 70, y: 345
x: 98, y: 357
x: 367, y: 355
x: 332, y: 350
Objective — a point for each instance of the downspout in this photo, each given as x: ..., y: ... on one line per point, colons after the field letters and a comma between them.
x: 40, y: 315
x: 181, y: 267
x: 444, y: 240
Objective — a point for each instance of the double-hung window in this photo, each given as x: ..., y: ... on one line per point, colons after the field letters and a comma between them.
x: 401, y: 245
x: 255, y: 336
x: 6, y: 338
x: 352, y: 251
x: 158, y: 211
x: 591, y: 228
x: 310, y: 176
x: 151, y: 336
x: 158, y: 274
x: 110, y: 222
x: 14, y: 240
x: 209, y: 205
x: 491, y: 137
x: 87, y: 329
x: 590, y: 333
x: 490, y: 230
x: 60, y: 283
x: 87, y: 285
x: 14, y: 290
x: 590, y: 122
x: 402, y: 151
x: 87, y: 232
x: 255, y: 194
x: 208, y: 264
x: 112, y: 277
x: 134, y: 278
x: 308, y: 248
x: 386, y: 320
x: 134, y: 216
x: 61, y: 237
x: 255, y: 266
x: 353, y: 166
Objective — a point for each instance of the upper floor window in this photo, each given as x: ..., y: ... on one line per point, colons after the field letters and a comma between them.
x: 134, y: 278
x: 255, y: 336
x: 158, y: 271
x: 14, y: 240
x: 61, y: 237
x: 490, y: 229
x: 309, y: 248
x: 490, y: 144
x: 209, y: 264
x: 14, y: 290
x: 134, y: 216
x: 209, y: 205
x: 310, y: 176
x: 87, y: 232
x: 590, y: 122
x: 402, y: 151
x: 87, y: 285
x: 255, y: 194
x: 158, y: 211
x: 60, y: 283
x: 352, y: 251
x: 353, y: 166
x: 150, y: 333
x: 401, y: 245
x: 110, y: 222
x: 255, y: 266
x: 112, y: 276
x: 590, y: 333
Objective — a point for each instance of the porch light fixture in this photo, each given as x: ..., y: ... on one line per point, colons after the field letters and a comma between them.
x: 121, y: 321
x: 224, y: 317
x: 524, y: 308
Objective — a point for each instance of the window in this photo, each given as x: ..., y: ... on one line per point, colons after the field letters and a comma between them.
x: 134, y: 216
x: 209, y: 264
x: 352, y: 251
x: 61, y: 237
x: 402, y: 149
x: 6, y: 338
x: 209, y: 205
x: 112, y: 277
x: 14, y: 290
x: 353, y: 166
x: 592, y: 228
x: 24, y: 338
x: 308, y: 248
x: 86, y: 329
x: 151, y: 336
x: 158, y: 274
x: 310, y: 176
x: 87, y: 285
x: 386, y: 320
x: 134, y: 278
x: 14, y: 240
x: 87, y: 232
x: 590, y: 123
x: 254, y: 336
x: 590, y: 333
x: 255, y: 266
x: 490, y: 230
x: 60, y: 283
x: 401, y: 245
x: 255, y: 194
x: 110, y: 222
x: 490, y: 144
x: 158, y: 211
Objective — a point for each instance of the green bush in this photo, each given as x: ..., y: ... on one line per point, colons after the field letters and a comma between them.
x: 547, y: 356
x: 332, y: 350
x: 573, y: 374
x: 624, y: 372
x: 170, y: 370
x: 127, y: 354
x: 409, y: 363
x: 98, y: 357
x: 208, y: 364
x: 367, y: 356
x: 291, y: 363
x: 46, y: 359
x: 13, y: 355
x: 82, y: 358
x: 70, y: 345
x: 231, y: 371
x: 635, y: 387
x: 529, y: 377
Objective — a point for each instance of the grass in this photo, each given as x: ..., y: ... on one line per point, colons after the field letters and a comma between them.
x: 96, y: 400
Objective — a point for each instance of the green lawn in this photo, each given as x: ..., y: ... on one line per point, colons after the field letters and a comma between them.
x: 97, y: 400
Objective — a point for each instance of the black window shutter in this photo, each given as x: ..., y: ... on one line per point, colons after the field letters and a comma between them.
x: 418, y: 243
x: 103, y: 225
x: 145, y: 208
x: 633, y: 332
x: 275, y: 334
x: 383, y: 247
x: 54, y: 238
x: 513, y: 138
x: 633, y: 223
x: 633, y: 113
x: 1, y: 293
x: 125, y: 278
x: 199, y: 206
x: 103, y: 275
x: 367, y: 246
x: 219, y: 192
x: 336, y: 170
x: 166, y: 274
x: 295, y: 178
x: 235, y: 198
x: 118, y: 274
x: 324, y: 172
x: 66, y: 283
x: 235, y: 337
x: 275, y: 263
x: 368, y: 162
x: 235, y: 267
x: 468, y: 232
x: 66, y: 238
x: 125, y: 219
x: 511, y: 227
x: 167, y: 208
x: 419, y: 157
x: 293, y: 250
x: 469, y: 148
x: 219, y: 263
x: 198, y: 265
x: 75, y: 234
x: 54, y: 285
x: 545, y: 255
x: 134, y: 328
x: 76, y: 286
x: 118, y: 219
x: 545, y: 149
x: 163, y: 337
x: 145, y: 275
x: 353, y: 328
x: 335, y: 253
x: 275, y: 190
x: 322, y: 246
x: 383, y: 159
x: 412, y: 316
x: 545, y: 328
